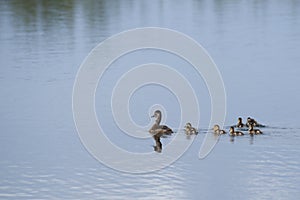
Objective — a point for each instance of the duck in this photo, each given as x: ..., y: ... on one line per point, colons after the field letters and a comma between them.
x: 251, y: 121
x: 235, y: 133
x: 254, y: 131
x: 158, y: 129
x: 190, y: 130
x: 240, y: 123
x: 217, y: 130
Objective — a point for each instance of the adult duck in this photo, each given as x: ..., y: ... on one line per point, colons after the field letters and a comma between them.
x: 158, y: 129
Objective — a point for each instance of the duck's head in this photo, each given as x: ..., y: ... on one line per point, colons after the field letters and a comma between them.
x: 216, y: 127
x: 240, y: 120
x: 188, y: 125
x: 231, y: 130
x: 156, y: 114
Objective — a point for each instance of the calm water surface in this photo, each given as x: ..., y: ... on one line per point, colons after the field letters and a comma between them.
x: 255, y: 45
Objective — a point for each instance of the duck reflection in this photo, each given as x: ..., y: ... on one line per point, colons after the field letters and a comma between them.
x: 158, y: 144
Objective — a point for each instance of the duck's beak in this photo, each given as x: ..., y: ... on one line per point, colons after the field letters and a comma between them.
x: 152, y: 116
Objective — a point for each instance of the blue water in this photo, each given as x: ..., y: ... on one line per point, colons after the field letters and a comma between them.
x: 255, y: 45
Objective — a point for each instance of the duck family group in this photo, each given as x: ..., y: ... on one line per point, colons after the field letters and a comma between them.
x: 250, y: 124
x: 158, y: 130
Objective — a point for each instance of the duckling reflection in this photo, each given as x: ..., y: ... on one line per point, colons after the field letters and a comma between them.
x: 159, y: 131
x: 231, y: 139
x: 217, y: 130
x: 232, y: 132
x: 253, y: 131
x: 240, y: 123
x: 190, y: 130
x: 251, y: 140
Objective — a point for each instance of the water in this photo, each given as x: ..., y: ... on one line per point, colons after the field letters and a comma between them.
x: 255, y: 45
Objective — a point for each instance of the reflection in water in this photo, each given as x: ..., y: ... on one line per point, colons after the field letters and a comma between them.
x: 88, y: 183
x: 158, y: 145
x: 42, y: 15
x: 251, y: 139
x: 231, y: 138
x: 44, y: 42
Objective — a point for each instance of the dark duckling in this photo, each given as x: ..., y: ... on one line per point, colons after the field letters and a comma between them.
x: 240, y: 123
x: 232, y: 132
x: 253, y: 131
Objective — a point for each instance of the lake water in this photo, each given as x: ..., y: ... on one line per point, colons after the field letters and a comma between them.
x: 255, y: 45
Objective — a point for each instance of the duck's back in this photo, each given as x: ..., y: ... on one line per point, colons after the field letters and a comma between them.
x: 166, y: 129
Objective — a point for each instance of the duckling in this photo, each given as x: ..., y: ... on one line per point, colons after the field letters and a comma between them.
x: 251, y: 121
x: 254, y: 131
x: 240, y: 123
x: 235, y: 133
x: 157, y: 128
x: 189, y: 130
x: 217, y: 130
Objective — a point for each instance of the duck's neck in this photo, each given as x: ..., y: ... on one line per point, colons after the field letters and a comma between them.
x: 158, y: 119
